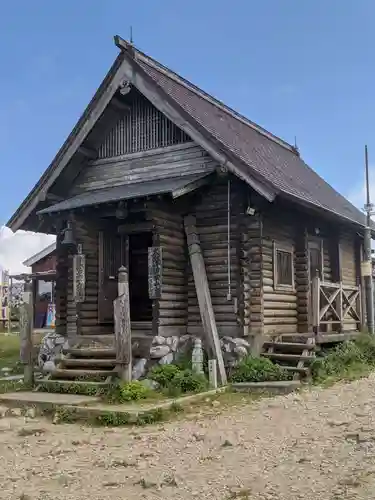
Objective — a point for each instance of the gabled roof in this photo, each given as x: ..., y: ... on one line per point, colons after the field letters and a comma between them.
x: 265, y: 154
x: 40, y: 255
x: 268, y: 164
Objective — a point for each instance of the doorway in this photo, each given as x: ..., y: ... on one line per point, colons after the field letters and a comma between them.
x: 130, y: 251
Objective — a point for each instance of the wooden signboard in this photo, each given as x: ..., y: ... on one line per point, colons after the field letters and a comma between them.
x: 79, y: 277
x: 155, y: 266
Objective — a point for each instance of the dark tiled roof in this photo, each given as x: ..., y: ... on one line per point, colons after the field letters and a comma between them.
x: 125, y: 192
x: 263, y: 153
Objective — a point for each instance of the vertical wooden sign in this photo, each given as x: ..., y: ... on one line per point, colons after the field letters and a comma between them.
x: 155, y: 266
x: 79, y: 277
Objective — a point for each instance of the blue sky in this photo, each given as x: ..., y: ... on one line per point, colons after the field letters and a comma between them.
x: 298, y: 68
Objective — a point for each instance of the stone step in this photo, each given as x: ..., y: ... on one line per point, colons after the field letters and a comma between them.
x: 288, y: 357
x: 94, y: 353
x: 68, y: 373
x: 302, y: 371
x: 88, y: 362
x: 289, y: 346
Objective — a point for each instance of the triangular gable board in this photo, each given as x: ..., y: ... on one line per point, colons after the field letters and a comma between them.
x: 142, y: 145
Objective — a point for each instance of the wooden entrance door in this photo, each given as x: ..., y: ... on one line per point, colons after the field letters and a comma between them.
x: 112, y: 255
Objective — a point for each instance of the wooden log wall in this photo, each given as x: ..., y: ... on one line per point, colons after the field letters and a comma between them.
x: 170, y: 310
x: 302, y: 281
x: 252, y: 264
x: 328, y: 264
x: 62, y: 268
x: 161, y: 163
x: 280, y: 305
x: 212, y: 224
x: 86, y: 233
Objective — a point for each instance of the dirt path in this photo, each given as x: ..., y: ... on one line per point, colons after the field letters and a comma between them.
x: 317, y: 445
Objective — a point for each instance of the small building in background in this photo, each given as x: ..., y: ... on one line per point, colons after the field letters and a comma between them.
x: 43, y: 273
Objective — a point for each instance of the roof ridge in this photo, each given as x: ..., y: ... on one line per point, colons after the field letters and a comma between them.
x: 216, y: 102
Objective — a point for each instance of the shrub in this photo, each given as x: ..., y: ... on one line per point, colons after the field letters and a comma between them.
x: 366, y: 343
x: 127, y: 391
x: 345, y: 360
x: 164, y: 374
x: 187, y: 381
x: 252, y: 369
x: 175, y: 380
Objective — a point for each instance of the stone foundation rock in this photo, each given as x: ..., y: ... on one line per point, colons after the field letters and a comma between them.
x: 51, y: 347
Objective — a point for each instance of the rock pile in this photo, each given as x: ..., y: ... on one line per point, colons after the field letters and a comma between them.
x: 163, y: 350
x: 51, y: 348
x: 234, y: 349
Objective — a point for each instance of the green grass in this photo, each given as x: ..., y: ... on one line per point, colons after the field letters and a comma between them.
x: 347, y: 361
x: 10, y: 353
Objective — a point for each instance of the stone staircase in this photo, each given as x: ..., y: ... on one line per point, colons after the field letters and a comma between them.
x: 91, y: 361
x: 294, y: 352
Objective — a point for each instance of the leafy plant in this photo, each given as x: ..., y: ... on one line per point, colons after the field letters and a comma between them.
x: 164, y: 374
x: 187, y: 381
x: 175, y: 380
x: 125, y: 392
x: 252, y: 369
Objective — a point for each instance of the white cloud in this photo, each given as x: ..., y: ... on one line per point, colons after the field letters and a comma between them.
x: 19, y: 246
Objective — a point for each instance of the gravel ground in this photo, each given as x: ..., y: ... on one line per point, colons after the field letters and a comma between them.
x: 319, y: 444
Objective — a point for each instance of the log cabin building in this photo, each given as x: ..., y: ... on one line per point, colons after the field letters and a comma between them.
x: 43, y: 274
x: 154, y: 159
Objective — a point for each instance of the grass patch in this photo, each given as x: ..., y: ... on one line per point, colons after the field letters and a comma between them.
x: 347, y: 361
x: 10, y: 353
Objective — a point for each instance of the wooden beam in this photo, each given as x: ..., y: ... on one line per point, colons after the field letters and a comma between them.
x: 192, y: 186
x: 123, y: 343
x: 88, y: 152
x: 203, y: 295
x: 26, y: 328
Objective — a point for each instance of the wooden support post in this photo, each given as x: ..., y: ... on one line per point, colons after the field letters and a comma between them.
x: 122, y: 327
x: 203, y: 295
x: 26, y: 329
x: 339, y: 307
x: 315, y: 303
x: 212, y: 373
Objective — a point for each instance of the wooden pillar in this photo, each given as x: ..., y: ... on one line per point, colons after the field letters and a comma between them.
x: 315, y: 292
x: 203, y: 295
x: 26, y: 329
x: 122, y: 327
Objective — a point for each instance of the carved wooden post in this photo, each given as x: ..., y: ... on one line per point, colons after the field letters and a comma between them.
x: 123, y: 327
x: 204, y: 295
x: 315, y: 303
x: 79, y: 282
x: 26, y: 329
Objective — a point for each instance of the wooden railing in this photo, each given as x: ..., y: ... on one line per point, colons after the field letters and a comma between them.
x: 334, y: 305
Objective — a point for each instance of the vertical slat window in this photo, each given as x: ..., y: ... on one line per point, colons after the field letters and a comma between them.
x: 141, y: 129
